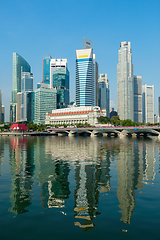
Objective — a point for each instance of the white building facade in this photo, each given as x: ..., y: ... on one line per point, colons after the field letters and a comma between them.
x: 125, y: 85
x: 148, y: 103
x: 74, y: 115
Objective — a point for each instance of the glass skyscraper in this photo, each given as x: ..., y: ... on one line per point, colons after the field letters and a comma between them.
x: 19, y: 65
x: 22, y: 97
x: 103, y: 93
x: 125, y: 85
x: 46, y: 70
x: 54, y: 65
x: 45, y: 101
x: 84, y: 77
x: 61, y: 83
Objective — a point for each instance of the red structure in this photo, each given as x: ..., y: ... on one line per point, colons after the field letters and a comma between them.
x: 19, y: 127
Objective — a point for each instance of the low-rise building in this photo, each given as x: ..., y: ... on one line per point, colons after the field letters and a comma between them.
x: 74, y: 115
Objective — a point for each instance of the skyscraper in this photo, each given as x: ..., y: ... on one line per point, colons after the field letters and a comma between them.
x: 125, y: 86
x: 26, y: 87
x: 137, y: 99
x: 103, y: 93
x: 19, y: 65
x: 46, y: 70
x: 61, y: 84
x: 54, y: 65
x: 45, y: 101
x: 86, y: 76
x: 148, y: 103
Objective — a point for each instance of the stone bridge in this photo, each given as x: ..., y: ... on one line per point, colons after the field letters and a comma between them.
x: 108, y: 131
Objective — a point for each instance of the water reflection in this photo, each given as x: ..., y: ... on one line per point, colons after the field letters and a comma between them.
x: 49, y: 161
x: 135, y: 164
x: 52, y: 174
x: 22, y: 169
x: 1, y: 152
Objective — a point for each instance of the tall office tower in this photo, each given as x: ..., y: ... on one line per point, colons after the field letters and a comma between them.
x: 19, y: 65
x: 61, y: 84
x: 3, y: 113
x: 86, y: 76
x: 137, y: 99
x: 103, y: 93
x: 54, y: 65
x: 0, y: 106
x: 45, y: 102
x: 148, y: 103
x: 46, y: 70
x: 125, y: 86
x: 26, y: 87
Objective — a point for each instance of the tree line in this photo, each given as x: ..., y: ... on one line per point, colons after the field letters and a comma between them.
x: 115, y: 120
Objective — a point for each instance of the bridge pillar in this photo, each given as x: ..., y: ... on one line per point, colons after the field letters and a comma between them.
x: 122, y: 135
x: 70, y: 134
x: 134, y: 135
x: 92, y: 134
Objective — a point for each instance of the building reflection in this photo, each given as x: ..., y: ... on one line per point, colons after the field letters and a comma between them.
x: 135, y: 163
x: 52, y: 173
x: 91, y: 161
x: 86, y: 195
x: 22, y: 170
x: 148, y: 162
x: 1, y: 152
x: 51, y: 159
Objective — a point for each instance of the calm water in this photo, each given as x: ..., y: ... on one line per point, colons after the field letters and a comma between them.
x: 79, y: 188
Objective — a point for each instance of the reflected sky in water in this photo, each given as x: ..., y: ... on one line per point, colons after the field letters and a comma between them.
x: 103, y: 186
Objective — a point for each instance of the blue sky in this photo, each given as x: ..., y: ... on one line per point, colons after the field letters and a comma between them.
x: 35, y: 29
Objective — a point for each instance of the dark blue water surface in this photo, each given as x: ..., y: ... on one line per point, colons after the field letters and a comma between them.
x: 79, y: 188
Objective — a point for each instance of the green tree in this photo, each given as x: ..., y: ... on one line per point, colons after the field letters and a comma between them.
x: 128, y: 122
x: 103, y: 120
x: 115, y: 120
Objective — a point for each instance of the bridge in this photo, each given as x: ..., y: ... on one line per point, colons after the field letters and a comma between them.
x: 93, y: 131
x: 108, y: 131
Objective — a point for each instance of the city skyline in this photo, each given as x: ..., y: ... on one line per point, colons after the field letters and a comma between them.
x: 141, y: 31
